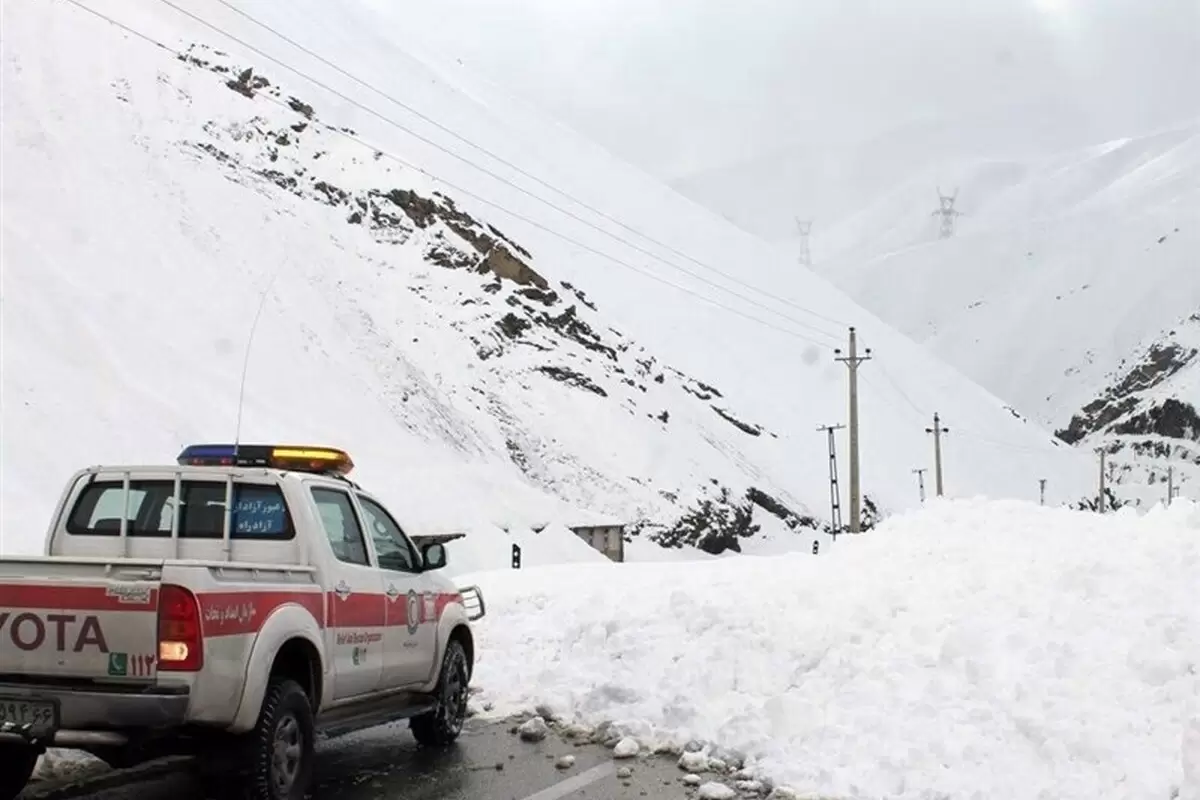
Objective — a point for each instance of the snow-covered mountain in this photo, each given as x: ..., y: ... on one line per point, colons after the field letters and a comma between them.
x: 506, y: 334
x: 1062, y: 272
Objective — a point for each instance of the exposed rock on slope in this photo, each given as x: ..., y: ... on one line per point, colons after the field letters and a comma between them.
x: 1146, y: 420
x: 522, y: 325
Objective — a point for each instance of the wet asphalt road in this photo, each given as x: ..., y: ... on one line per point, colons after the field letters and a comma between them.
x: 488, y: 763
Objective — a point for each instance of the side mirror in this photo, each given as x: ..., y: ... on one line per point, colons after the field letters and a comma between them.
x: 434, y: 556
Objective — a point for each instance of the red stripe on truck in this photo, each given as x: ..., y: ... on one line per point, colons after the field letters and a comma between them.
x: 235, y: 613
x: 78, y: 598
x: 357, y: 610
x: 446, y: 599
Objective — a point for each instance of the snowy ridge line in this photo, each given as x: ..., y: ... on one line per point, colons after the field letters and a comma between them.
x: 504, y: 161
x: 523, y: 218
x: 524, y: 191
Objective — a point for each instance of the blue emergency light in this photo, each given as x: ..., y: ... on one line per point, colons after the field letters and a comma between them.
x: 300, y: 458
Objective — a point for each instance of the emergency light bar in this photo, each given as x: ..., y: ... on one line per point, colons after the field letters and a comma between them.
x: 321, y: 460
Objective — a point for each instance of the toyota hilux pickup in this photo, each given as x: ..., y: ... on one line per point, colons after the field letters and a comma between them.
x: 237, y: 604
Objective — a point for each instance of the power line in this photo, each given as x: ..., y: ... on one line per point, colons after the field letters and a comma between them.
x: 515, y: 167
x: 968, y: 434
x: 496, y: 176
x: 468, y: 193
x: 895, y: 386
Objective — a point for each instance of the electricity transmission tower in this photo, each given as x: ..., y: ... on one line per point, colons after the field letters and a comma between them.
x: 835, y: 501
x: 852, y: 361
x: 805, y: 227
x: 921, y: 481
x: 947, y: 212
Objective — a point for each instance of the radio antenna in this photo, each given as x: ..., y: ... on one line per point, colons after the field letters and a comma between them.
x: 262, y: 301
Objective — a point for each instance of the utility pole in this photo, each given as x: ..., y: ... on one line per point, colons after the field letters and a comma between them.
x: 1042, y: 486
x: 1100, y: 505
x: 1170, y: 484
x: 921, y: 481
x: 947, y: 212
x: 835, y: 501
x: 852, y: 361
x: 937, y: 430
x: 805, y: 226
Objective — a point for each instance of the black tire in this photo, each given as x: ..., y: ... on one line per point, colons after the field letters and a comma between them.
x: 278, y: 754
x: 442, y: 725
x: 17, y: 763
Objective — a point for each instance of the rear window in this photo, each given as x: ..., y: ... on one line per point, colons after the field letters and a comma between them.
x: 259, y: 511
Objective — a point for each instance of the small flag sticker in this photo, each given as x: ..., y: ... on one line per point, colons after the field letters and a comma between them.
x: 118, y: 664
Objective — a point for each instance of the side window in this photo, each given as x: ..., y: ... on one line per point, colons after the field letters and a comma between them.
x: 391, y: 545
x: 259, y: 511
x: 100, y: 507
x: 341, y: 525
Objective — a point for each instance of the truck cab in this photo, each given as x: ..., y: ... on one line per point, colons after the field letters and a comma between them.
x: 244, y: 593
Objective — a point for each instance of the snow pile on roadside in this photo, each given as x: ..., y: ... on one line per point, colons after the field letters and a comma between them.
x: 972, y: 649
x: 1191, y: 752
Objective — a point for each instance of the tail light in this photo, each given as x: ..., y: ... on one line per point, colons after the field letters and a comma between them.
x: 180, y: 638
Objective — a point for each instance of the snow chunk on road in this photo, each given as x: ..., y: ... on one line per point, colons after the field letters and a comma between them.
x: 715, y: 791
x: 533, y: 730
x: 626, y: 748
x: 974, y: 648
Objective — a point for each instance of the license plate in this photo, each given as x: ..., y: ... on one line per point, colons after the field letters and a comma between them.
x: 37, y: 717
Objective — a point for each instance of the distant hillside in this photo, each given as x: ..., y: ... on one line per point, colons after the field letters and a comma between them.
x: 490, y: 351
x: 1061, y: 271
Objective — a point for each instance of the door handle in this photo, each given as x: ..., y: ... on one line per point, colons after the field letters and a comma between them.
x: 342, y: 590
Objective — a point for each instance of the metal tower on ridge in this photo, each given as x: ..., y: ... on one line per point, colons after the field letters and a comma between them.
x: 947, y: 212
x: 805, y: 228
x: 835, y: 495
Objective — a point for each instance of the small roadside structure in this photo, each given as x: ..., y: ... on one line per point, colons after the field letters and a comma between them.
x: 608, y: 538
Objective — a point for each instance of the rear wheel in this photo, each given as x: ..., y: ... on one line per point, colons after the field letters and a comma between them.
x: 281, y: 747
x: 272, y: 762
x: 444, y: 723
x: 17, y: 762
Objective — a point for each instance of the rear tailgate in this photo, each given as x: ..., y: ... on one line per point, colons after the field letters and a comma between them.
x: 90, y: 619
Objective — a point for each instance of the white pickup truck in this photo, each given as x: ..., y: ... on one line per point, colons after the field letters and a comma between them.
x: 237, y: 605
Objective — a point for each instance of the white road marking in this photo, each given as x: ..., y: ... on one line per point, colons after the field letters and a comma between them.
x: 564, y: 788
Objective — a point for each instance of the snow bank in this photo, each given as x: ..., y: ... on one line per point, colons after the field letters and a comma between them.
x: 973, y: 649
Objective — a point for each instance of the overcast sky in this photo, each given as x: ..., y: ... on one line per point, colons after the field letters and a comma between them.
x: 680, y: 85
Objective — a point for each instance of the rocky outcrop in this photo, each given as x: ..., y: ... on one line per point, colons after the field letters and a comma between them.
x: 522, y: 325
x: 713, y: 524
x: 1158, y: 365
